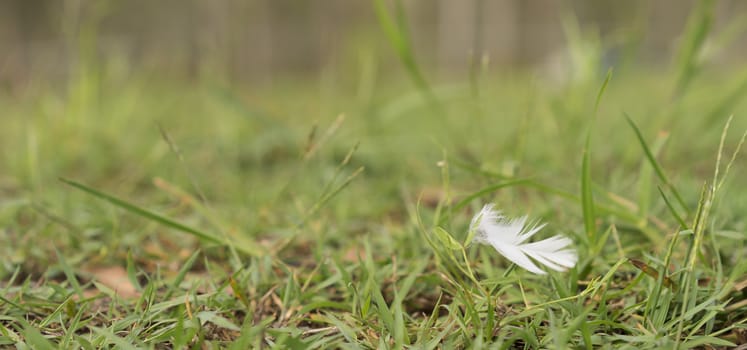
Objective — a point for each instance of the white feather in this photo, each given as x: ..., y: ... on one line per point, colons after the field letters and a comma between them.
x: 508, y: 237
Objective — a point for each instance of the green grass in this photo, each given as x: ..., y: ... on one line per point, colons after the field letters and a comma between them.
x: 262, y: 217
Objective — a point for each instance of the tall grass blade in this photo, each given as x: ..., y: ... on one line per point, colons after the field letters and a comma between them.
x: 69, y: 273
x: 689, y: 277
x: 645, y: 178
x: 587, y: 197
x: 698, y: 26
x: 445, y: 200
x: 35, y: 339
x: 198, y: 205
x: 727, y: 104
x: 326, y: 197
x: 14, y: 304
x: 718, y: 182
x: 395, y: 30
x: 707, y: 198
x: 111, y: 338
x: 602, y: 89
x: 247, y: 249
x: 673, y: 211
x: 657, y: 168
x: 182, y: 273
x: 180, y: 157
x: 487, y: 190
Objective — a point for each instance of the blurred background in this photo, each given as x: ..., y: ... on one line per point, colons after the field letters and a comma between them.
x: 257, y: 106
x: 264, y: 41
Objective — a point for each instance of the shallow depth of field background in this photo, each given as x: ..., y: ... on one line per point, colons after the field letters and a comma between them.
x: 315, y: 133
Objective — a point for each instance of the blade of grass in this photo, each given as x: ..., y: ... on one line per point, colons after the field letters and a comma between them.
x: 131, y: 272
x: 727, y: 103
x: 180, y: 157
x: 73, y: 325
x: 720, y: 182
x: 382, y: 309
x: 529, y: 182
x: 445, y: 200
x: 112, y: 338
x: 331, y: 194
x: 182, y: 274
x: 673, y: 211
x: 55, y: 315
x: 69, y: 274
x: 14, y: 304
x: 35, y: 339
x: 487, y: 190
x: 313, y: 144
x: 707, y: 198
x: 645, y: 178
x: 329, y: 191
x: 587, y: 197
x: 657, y: 168
x: 301, y: 167
x: 399, y: 297
x: 602, y: 89
x: 396, y: 32
x: 339, y: 168
x: 689, y: 277
x: 698, y: 26
x: 247, y: 249
x: 202, y: 204
x: 202, y: 208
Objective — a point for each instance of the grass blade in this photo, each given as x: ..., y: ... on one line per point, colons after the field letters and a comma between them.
x: 35, y: 339
x: 689, y: 277
x: 645, y: 182
x: 486, y: 190
x: 158, y: 218
x: 698, y: 26
x: 587, y: 197
x: 328, y: 196
x: 396, y: 33
x: 186, y: 267
x: 718, y: 182
x: 655, y: 164
x: 602, y: 89
x: 673, y: 211
x: 69, y: 273
x: 113, y: 339
x: 728, y: 102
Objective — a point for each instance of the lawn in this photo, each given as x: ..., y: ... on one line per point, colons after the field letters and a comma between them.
x: 334, y: 211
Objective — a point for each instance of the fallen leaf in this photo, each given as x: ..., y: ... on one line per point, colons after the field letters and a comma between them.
x: 115, y: 277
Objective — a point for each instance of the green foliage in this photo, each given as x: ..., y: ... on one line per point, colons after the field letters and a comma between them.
x: 256, y: 218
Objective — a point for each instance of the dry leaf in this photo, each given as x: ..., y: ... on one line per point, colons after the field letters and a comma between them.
x: 115, y: 277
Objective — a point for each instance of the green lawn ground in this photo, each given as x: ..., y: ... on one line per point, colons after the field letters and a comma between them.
x: 137, y: 212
